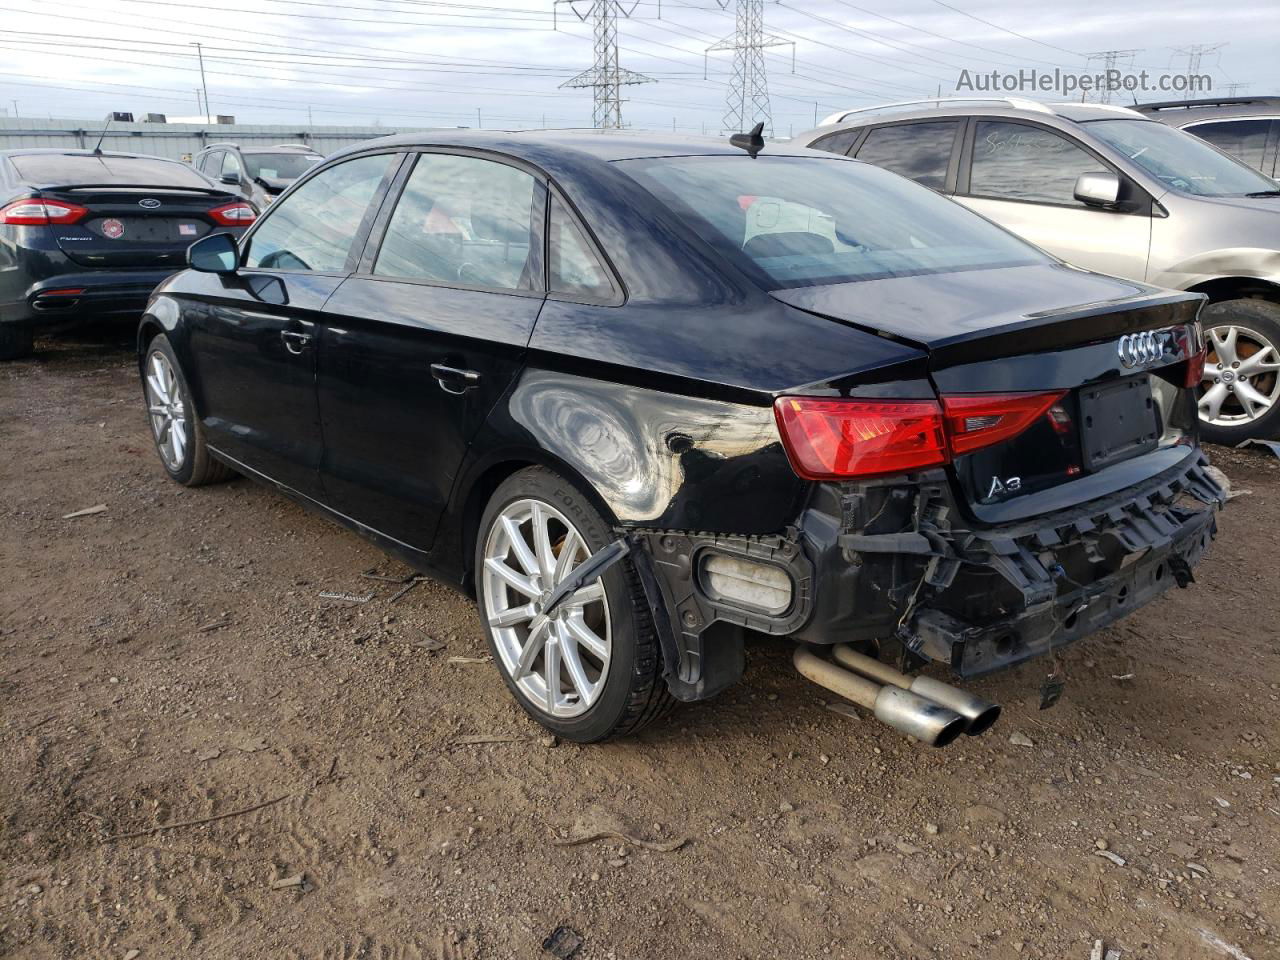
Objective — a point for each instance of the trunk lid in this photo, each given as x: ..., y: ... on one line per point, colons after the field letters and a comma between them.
x: 135, y: 226
x: 1108, y: 356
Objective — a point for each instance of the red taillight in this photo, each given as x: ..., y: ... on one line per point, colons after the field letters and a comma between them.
x: 35, y: 212
x: 837, y: 439
x: 233, y: 215
x: 981, y: 420
x: 63, y: 292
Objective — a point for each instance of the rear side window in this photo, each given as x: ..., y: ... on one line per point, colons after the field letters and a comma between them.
x: 462, y: 221
x: 210, y: 164
x: 1016, y: 161
x: 1245, y: 140
x: 574, y: 268
x: 837, y: 142
x: 313, y: 228
x: 918, y: 151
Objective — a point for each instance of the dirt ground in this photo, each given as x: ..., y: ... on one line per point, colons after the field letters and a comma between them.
x: 169, y: 660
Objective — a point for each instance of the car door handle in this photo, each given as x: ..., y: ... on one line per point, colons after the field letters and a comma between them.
x: 454, y: 379
x: 295, y: 341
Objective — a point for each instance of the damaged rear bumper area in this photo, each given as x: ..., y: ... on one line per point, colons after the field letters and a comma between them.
x: 895, y: 559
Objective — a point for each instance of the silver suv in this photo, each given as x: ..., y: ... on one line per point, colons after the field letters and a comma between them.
x: 1110, y: 190
x: 258, y: 174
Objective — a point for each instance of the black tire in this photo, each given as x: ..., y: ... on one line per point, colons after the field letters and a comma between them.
x: 634, y: 693
x: 198, y: 467
x: 1262, y: 318
x: 17, y: 340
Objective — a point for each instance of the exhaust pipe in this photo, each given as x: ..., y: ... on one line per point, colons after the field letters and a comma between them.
x: 901, y: 709
x: 978, y: 714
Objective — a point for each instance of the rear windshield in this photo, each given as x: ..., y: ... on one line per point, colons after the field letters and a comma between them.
x: 1179, y: 160
x: 804, y: 221
x: 68, y: 170
x: 279, y: 166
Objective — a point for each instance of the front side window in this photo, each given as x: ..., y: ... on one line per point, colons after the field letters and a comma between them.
x: 1246, y: 140
x: 313, y: 228
x: 918, y: 151
x: 1017, y: 161
x: 802, y: 221
x: 463, y: 221
x: 1180, y: 161
x: 574, y: 269
x: 230, y: 165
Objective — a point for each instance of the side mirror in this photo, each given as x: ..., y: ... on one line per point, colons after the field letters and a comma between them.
x: 231, y: 178
x: 1098, y: 189
x: 216, y: 253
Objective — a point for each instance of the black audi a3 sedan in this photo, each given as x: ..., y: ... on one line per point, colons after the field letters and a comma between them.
x: 87, y: 234
x: 641, y: 396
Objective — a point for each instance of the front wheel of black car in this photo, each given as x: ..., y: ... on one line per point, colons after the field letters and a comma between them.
x: 175, y: 427
x: 1240, y: 398
x: 592, y: 669
x: 17, y: 340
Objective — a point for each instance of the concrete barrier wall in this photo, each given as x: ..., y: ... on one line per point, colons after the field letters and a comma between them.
x: 177, y: 140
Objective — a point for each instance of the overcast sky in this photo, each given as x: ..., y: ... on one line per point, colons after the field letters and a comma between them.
x: 413, y: 63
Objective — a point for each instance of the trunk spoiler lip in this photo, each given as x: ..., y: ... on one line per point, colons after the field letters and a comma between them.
x: 131, y: 187
x: 1149, y: 309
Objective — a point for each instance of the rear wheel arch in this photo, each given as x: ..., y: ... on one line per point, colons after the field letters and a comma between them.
x: 1237, y: 288
x: 480, y: 490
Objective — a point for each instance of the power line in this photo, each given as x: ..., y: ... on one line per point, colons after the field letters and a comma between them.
x: 1012, y: 33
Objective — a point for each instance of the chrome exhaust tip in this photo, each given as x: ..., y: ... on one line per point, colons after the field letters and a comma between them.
x: 903, y: 710
x: 978, y: 714
x: 917, y: 717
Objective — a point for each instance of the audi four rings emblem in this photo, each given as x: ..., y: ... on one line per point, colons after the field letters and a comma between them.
x: 150, y: 203
x: 1139, y: 348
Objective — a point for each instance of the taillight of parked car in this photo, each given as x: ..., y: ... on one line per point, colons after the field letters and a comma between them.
x: 234, y: 215
x: 1193, y: 344
x: 838, y: 439
x: 35, y: 212
x: 841, y: 439
x: 978, y: 421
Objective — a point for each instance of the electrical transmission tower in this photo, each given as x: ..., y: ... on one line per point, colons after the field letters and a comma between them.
x: 1194, y: 54
x: 747, y: 102
x: 1234, y: 88
x: 606, y: 78
x: 1108, y: 60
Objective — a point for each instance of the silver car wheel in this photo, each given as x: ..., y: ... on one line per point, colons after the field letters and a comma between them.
x: 1241, y: 376
x: 167, y: 411
x: 560, y: 663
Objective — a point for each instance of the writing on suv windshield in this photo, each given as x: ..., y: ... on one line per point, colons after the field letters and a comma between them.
x: 279, y: 166
x: 803, y: 221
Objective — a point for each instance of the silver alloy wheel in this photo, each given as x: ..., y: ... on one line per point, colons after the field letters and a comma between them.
x: 167, y: 411
x: 1241, y: 376
x: 560, y: 663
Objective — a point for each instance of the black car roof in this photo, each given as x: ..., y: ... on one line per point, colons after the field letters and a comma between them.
x: 50, y: 167
x: 605, y: 145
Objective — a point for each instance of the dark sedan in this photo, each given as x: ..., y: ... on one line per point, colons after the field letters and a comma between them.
x: 87, y: 234
x: 643, y: 396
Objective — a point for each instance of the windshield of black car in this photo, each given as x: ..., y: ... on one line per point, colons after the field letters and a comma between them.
x: 1179, y: 160
x: 802, y: 221
x: 279, y: 166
